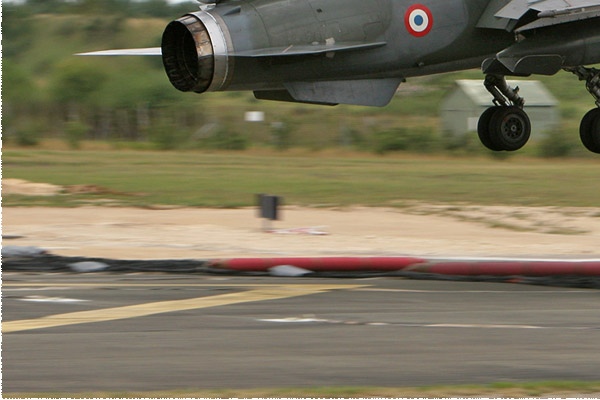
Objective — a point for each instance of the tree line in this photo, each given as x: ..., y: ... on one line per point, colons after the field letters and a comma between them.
x: 49, y: 92
x: 128, y: 8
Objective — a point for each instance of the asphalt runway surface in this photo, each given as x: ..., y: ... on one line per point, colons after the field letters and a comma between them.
x: 75, y: 333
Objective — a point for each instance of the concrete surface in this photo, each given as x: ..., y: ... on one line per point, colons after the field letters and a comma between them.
x: 143, y: 332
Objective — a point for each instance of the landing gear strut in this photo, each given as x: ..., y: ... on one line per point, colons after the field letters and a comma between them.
x: 505, y: 126
x: 589, y: 130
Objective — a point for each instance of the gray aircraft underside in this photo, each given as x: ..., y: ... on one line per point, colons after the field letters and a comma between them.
x: 360, y: 51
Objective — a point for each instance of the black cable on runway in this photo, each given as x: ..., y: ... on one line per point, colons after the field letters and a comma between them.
x: 572, y: 281
x: 54, y: 263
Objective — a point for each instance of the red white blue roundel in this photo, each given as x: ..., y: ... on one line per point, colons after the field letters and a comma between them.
x: 418, y: 20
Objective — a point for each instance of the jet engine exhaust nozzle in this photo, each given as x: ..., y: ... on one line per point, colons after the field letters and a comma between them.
x: 194, y: 52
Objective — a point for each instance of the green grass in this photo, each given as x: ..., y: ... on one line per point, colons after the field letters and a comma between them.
x: 502, y: 389
x: 199, y: 179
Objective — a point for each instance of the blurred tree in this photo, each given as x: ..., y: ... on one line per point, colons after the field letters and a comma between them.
x: 154, y: 8
x: 75, y: 131
x: 102, y: 7
x: 73, y: 84
x: 20, y: 109
x: 45, y: 6
x: 143, y: 8
x: 557, y: 143
x: 18, y: 87
x: 103, y: 28
x: 16, y: 29
x: 76, y: 80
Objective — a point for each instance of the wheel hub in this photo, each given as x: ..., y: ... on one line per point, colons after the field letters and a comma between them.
x: 512, y: 128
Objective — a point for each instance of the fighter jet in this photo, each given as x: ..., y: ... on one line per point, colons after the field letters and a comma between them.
x: 359, y: 51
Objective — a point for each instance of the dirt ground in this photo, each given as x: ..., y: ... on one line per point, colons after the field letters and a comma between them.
x: 420, y: 230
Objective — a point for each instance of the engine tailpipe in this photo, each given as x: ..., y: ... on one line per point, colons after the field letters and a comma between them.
x: 195, y: 53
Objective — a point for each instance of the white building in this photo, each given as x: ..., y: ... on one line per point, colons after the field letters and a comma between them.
x: 461, y: 108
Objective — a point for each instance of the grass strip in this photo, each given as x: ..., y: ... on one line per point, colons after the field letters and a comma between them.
x: 199, y: 179
x: 564, y: 389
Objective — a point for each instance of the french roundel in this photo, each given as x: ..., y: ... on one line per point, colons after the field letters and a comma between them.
x: 418, y: 20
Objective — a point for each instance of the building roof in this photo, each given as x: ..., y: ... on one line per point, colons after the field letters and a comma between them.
x: 534, y: 92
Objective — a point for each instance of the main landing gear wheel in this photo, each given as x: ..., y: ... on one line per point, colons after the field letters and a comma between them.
x: 589, y: 130
x: 483, y: 129
x: 504, y: 128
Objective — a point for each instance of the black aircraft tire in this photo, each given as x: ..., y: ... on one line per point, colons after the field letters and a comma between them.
x: 589, y: 130
x: 483, y: 128
x: 510, y: 128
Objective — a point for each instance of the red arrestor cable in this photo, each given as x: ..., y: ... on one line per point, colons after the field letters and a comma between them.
x: 415, y: 264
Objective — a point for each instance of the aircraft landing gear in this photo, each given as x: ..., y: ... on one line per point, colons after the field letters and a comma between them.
x: 505, y: 126
x: 589, y: 130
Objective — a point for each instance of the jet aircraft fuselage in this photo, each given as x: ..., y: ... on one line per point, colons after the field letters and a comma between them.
x: 360, y: 51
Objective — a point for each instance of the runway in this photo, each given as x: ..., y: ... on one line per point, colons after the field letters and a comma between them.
x: 143, y: 332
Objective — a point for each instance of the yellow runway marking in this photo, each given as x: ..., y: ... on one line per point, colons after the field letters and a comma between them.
x: 263, y: 293
x: 158, y: 284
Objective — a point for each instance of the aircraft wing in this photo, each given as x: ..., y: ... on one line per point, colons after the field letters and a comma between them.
x: 308, y: 49
x: 269, y: 52
x: 512, y: 14
x: 371, y: 92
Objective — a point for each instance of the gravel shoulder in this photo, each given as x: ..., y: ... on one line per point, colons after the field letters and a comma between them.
x: 422, y: 230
